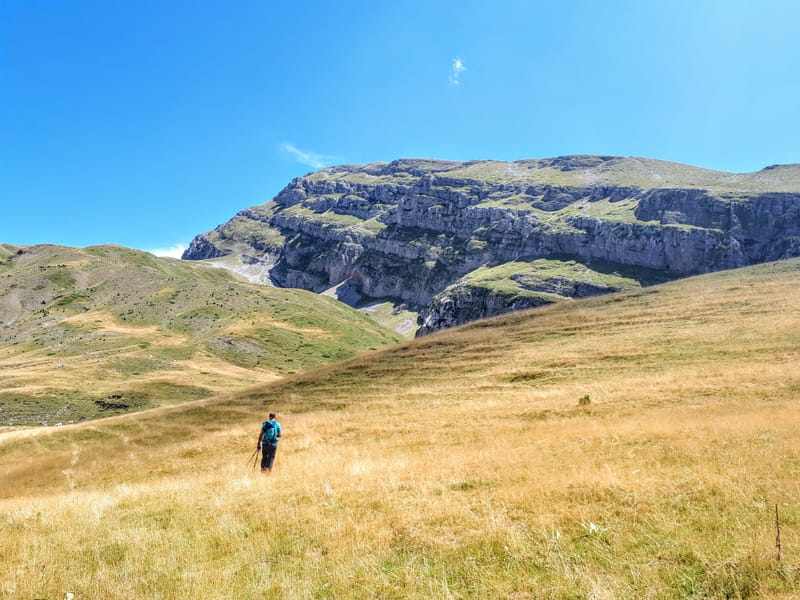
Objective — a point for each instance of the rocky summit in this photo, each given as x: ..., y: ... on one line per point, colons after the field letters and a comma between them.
x: 458, y: 241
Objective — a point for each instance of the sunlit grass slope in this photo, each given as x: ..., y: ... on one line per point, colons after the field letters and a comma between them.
x: 94, y: 331
x: 469, y: 464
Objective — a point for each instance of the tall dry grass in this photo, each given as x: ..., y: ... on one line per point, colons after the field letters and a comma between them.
x: 458, y: 466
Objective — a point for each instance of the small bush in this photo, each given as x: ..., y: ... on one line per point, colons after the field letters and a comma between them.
x: 585, y: 400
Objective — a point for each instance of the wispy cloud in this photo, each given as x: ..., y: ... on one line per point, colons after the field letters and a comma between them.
x: 174, y: 251
x: 311, y: 159
x: 456, y: 70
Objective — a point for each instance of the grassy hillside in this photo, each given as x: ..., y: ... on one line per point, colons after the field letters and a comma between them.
x: 582, y: 170
x: 95, y: 331
x: 625, y: 446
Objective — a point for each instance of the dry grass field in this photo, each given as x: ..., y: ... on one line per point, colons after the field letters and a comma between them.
x: 626, y: 446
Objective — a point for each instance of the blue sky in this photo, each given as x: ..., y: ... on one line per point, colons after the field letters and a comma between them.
x: 145, y: 123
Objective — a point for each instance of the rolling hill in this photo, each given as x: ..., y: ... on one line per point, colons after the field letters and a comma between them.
x: 635, y: 445
x: 103, y: 330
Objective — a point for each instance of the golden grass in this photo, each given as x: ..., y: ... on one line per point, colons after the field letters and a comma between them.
x: 457, y: 466
x: 98, y: 320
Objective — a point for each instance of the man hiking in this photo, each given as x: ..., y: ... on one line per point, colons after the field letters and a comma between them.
x: 268, y: 442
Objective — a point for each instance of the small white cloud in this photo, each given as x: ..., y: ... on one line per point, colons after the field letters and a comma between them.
x: 174, y: 251
x: 311, y: 159
x: 456, y: 70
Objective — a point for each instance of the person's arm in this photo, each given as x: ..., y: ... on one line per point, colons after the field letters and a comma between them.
x: 279, y: 430
x: 260, y: 435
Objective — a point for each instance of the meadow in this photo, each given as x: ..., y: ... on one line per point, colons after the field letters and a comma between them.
x: 635, y: 445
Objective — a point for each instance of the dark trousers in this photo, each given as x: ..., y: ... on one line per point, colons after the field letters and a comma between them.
x: 268, y: 455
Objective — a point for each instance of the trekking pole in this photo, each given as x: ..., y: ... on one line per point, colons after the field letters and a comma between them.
x: 254, y: 457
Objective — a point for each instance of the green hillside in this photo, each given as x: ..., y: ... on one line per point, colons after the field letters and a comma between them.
x: 102, y: 330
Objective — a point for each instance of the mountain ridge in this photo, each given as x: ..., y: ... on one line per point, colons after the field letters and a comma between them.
x: 414, y: 231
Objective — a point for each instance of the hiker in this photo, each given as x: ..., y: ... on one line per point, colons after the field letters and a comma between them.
x: 268, y: 442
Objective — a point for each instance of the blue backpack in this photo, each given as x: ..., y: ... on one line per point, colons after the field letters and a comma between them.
x: 270, y: 433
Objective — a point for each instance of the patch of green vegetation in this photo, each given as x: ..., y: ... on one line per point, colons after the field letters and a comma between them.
x: 373, y: 225
x: 399, y: 318
x: 477, y: 246
x: 63, y: 338
x: 112, y: 554
x: 51, y: 406
x: 7, y: 254
x: 74, y: 302
x: 257, y: 233
x: 320, y: 338
x: 54, y: 406
x: 61, y: 277
x: 544, y: 278
x: 164, y: 392
x: 532, y: 376
x: 484, y: 170
x: 182, y: 352
x: 333, y: 173
x: 512, y: 202
x: 168, y: 294
x: 335, y: 219
x: 470, y: 485
x: 374, y: 173
x: 552, y: 223
x: 139, y: 365
x: 622, y: 211
x: 128, y: 256
x: 196, y: 320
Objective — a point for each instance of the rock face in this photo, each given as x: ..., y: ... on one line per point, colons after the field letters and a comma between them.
x: 415, y: 230
x: 518, y: 286
x: 464, y: 303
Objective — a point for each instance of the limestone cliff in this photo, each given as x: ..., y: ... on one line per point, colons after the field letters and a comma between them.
x: 417, y: 231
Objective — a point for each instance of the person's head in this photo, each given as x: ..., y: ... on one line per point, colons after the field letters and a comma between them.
x: 271, y: 415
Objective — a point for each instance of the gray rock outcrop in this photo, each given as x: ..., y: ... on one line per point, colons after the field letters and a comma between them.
x: 412, y: 230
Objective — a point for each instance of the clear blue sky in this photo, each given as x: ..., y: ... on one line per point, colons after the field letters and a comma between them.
x: 145, y: 122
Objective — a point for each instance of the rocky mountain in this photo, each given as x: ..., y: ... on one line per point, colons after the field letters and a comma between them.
x: 457, y: 241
